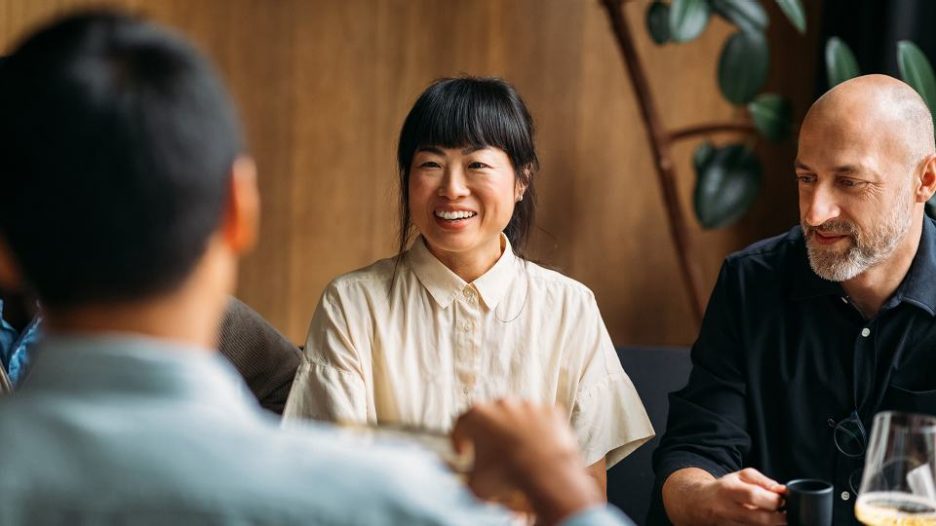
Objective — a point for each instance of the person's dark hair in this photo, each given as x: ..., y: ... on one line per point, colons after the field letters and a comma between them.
x: 116, y: 144
x: 479, y: 112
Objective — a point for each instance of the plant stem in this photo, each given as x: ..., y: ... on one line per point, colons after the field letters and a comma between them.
x: 663, y: 160
x: 705, y: 129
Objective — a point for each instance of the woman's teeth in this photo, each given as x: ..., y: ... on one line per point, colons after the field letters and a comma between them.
x: 461, y: 214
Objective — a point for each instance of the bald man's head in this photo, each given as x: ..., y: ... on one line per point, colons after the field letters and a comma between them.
x: 880, y: 106
x: 865, y: 167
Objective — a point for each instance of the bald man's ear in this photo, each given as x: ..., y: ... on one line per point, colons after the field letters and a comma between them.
x: 10, y: 277
x: 926, y: 185
x: 242, y: 217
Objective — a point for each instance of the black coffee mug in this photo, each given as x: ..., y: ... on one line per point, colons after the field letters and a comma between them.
x: 809, y: 502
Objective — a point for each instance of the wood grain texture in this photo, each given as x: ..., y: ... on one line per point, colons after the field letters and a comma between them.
x: 323, y: 87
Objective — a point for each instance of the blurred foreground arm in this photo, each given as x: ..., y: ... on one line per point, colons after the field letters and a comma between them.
x: 530, y: 448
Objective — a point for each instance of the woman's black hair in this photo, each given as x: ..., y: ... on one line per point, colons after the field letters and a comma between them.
x: 477, y: 112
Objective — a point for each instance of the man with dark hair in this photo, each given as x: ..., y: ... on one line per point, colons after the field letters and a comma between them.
x: 122, y: 148
x: 263, y: 356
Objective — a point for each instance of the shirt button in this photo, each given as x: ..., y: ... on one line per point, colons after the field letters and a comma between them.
x: 845, y: 495
x: 865, y: 332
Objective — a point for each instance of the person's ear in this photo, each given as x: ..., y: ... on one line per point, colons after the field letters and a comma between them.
x: 926, y: 185
x: 242, y: 210
x: 523, y: 181
x: 10, y: 276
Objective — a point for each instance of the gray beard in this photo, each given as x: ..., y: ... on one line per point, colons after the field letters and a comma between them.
x: 839, y: 267
x: 863, y: 254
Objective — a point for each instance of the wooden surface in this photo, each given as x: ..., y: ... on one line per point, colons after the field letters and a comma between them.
x: 323, y: 87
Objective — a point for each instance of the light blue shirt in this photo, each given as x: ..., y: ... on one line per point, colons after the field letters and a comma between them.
x: 131, y: 430
x: 16, y: 346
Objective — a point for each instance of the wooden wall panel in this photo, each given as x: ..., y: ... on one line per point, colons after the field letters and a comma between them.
x: 323, y: 87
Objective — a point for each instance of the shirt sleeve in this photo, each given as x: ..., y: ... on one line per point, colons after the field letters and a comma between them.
x: 329, y: 383
x: 608, y: 416
x: 598, y: 516
x: 405, y: 488
x: 707, y: 422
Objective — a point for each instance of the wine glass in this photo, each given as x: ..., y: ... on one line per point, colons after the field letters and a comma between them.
x: 898, y: 487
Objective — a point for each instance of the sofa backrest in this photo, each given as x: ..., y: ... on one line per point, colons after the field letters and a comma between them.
x: 655, y: 372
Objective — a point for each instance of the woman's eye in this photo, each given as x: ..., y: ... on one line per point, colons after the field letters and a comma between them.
x: 805, y: 179
x: 477, y: 165
x: 429, y: 164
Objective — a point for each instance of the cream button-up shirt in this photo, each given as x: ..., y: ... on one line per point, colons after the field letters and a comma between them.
x: 421, y: 348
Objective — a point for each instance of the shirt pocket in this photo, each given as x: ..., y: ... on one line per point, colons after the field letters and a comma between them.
x: 897, y: 398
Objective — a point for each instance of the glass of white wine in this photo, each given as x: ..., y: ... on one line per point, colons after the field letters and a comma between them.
x: 897, y: 486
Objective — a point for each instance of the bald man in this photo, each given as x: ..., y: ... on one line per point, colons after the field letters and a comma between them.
x: 809, y: 334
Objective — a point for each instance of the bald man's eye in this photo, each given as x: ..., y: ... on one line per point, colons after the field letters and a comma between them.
x: 805, y: 179
x: 850, y: 183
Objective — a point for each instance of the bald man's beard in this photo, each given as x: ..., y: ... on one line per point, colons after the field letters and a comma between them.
x: 867, y: 249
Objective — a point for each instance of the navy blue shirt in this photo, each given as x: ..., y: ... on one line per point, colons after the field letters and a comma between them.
x: 784, y: 362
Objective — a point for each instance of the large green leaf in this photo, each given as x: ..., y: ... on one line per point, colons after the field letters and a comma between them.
x: 702, y: 156
x: 793, y: 10
x: 658, y: 22
x: 688, y: 18
x: 916, y: 70
x: 742, y: 68
x: 748, y: 15
x: 726, y: 186
x: 840, y: 62
x: 772, y: 116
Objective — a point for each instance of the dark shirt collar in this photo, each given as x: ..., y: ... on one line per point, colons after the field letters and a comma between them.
x: 917, y: 288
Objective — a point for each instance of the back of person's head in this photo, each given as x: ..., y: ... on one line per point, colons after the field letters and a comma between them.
x: 479, y: 112
x: 116, y: 146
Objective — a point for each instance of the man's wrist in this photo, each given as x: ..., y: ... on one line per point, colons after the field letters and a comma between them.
x: 680, y: 490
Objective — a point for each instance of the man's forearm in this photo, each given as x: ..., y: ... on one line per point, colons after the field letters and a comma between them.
x: 678, y: 491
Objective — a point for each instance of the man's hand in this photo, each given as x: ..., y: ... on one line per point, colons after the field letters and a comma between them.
x: 693, y: 496
x: 521, y: 446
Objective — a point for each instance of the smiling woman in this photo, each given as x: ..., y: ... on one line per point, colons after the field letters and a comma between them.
x: 460, y: 200
x: 459, y: 316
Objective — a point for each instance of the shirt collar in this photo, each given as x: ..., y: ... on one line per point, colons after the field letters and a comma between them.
x: 136, y: 366
x: 917, y: 287
x: 35, y: 321
x: 493, y: 284
x: 444, y: 285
